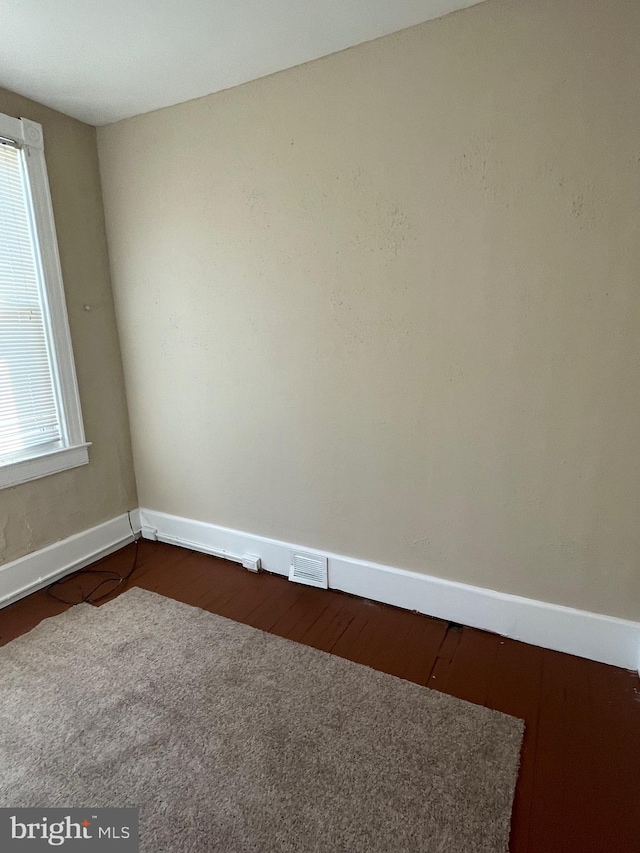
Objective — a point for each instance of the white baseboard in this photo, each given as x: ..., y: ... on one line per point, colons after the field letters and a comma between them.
x: 578, y: 632
x: 552, y: 626
x: 34, y: 571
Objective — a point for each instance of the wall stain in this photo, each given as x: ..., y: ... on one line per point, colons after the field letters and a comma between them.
x: 474, y: 162
x: 584, y: 207
x: 383, y: 225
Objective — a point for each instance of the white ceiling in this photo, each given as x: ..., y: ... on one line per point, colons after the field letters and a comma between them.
x: 104, y: 60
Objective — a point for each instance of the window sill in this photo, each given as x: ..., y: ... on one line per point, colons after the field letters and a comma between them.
x: 24, y: 470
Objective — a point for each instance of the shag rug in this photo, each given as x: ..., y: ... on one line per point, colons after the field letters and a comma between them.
x: 233, y: 740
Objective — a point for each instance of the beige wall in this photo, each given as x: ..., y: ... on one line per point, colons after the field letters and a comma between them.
x: 387, y: 303
x: 38, y: 513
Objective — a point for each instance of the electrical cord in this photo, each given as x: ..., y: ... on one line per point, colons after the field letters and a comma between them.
x: 114, y: 578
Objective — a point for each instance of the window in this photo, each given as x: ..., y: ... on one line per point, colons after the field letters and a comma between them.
x: 41, y: 429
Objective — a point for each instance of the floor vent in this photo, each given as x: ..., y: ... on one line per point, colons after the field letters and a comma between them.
x: 309, y: 568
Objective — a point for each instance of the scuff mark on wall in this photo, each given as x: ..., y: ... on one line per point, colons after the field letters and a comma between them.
x: 475, y: 162
x: 383, y: 226
x: 585, y: 207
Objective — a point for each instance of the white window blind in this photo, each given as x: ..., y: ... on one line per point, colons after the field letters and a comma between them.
x: 29, y: 410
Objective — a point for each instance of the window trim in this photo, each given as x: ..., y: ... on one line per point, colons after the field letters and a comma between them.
x: 28, y: 136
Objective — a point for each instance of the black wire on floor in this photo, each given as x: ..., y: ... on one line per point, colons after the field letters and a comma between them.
x: 114, y: 578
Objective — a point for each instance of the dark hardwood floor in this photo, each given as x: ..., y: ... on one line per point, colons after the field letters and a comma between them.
x: 579, y: 784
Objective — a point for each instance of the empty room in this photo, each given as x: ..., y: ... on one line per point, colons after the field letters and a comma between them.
x: 320, y: 426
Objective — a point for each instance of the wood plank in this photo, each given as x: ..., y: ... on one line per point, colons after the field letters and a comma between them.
x: 419, y: 647
x: 587, y: 757
x: 169, y: 577
x: 295, y: 623
x: 352, y: 638
x: 515, y: 689
x: 326, y: 630
x: 394, y: 640
x: 26, y: 613
x: 465, y: 667
x: 236, y: 587
x: 444, y: 657
x: 395, y: 634
x: 358, y: 640
x: 282, y: 598
x: 250, y: 594
x: 550, y: 809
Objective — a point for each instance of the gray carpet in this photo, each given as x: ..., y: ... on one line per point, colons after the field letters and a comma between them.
x: 233, y: 740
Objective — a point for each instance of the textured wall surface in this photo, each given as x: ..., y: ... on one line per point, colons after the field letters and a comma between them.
x: 36, y: 514
x: 387, y: 303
